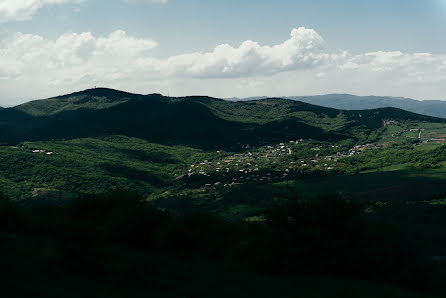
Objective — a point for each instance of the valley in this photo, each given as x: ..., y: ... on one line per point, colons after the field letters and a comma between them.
x: 138, y: 160
x: 249, y: 164
x: 206, y: 146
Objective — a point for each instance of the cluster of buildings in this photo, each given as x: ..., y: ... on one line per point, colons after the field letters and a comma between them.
x: 261, y: 166
x: 280, y: 149
x: 43, y: 151
x: 358, y: 149
x: 33, y: 150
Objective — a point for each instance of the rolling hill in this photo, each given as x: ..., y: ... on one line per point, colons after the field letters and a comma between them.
x: 107, y: 177
x: 101, y: 139
x: 435, y: 108
x: 196, y: 121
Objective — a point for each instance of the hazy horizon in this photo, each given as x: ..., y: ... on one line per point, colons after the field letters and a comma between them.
x: 226, y: 98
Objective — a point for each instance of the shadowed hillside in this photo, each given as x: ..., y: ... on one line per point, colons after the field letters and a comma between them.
x: 196, y: 121
x: 119, y: 245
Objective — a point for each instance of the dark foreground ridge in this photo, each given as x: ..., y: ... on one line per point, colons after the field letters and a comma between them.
x: 119, y: 245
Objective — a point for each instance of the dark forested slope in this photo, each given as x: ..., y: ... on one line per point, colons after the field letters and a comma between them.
x: 197, y: 121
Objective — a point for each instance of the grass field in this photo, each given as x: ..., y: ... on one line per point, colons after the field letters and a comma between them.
x: 432, y: 134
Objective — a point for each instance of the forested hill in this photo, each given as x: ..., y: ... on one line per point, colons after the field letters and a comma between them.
x: 435, y: 108
x: 196, y: 121
x: 92, y: 99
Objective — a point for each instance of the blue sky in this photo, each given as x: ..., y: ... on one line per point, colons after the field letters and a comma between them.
x: 392, y: 47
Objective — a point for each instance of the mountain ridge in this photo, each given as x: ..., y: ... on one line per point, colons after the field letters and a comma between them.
x: 343, y: 101
x: 199, y: 121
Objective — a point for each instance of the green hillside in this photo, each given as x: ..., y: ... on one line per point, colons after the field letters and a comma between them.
x: 280, y: 191
x: 100, y: 139
x: 195, y: 121
x: 105, y: 139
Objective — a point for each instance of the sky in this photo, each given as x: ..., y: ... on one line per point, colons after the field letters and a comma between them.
x: 230, y: 48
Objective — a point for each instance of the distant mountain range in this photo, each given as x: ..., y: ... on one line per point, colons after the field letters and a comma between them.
x: 436, y: 108
x: 196, y: 121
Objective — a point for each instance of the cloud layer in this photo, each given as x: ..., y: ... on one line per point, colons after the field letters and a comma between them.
x: 32, y: 66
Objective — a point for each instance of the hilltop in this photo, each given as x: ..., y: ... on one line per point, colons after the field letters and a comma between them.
x: 94, y: 99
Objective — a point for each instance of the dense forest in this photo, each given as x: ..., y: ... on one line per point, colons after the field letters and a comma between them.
x: 122, y: 241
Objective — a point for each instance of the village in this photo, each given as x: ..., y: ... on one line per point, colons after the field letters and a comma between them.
x: 268, y: 164
x: 358, y: 149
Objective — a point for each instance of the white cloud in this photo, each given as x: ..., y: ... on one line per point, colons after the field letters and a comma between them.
x: 20, y: 10
x: 32, y: 66
x: 301, y: 51
x: 32, y: 54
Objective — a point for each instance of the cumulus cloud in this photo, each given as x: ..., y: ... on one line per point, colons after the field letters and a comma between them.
x: 20, y: 10
x: 32, y: 66
x: 299, y: 52
x: 26, y: 54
